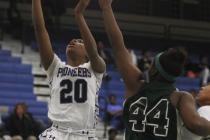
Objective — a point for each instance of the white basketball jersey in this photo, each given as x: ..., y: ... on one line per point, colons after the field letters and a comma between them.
x: 204, y: 112
x: 74, y: 94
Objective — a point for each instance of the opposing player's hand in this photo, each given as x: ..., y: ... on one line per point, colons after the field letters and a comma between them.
x: 81, y: 6
x: 104, y: 4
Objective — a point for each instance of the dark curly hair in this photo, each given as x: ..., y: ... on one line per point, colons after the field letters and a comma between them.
x: 169, y: 63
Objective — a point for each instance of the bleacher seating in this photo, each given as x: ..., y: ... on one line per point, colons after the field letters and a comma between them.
x: 14, y: 68
x: 17, y: 94
x: 16, y: 85
x: 188, y: 84
x: 14, y: 78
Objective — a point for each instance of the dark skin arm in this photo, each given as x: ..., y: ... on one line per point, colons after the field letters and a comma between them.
x: 96, y: 61
x: 42, y: 37
x: 190, y: 117
x: 130, y: 73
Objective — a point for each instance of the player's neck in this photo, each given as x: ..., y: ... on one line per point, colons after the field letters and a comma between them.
x: 75, y: 62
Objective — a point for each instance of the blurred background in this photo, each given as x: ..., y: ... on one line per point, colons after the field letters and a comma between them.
x: 149, y: 26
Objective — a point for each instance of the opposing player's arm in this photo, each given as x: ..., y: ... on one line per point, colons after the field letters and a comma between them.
x: 191, y: 118
x: 131, y: 74
x: 42, y: 36
x: 96, y: 61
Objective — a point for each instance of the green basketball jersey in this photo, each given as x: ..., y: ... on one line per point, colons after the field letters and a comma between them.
x: 149, y: 115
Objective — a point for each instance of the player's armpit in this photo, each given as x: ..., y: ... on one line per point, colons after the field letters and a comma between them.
x: 191, y: 118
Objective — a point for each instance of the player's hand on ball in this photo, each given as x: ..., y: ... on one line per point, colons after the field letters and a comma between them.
x: 81, y: 6
x: 104, y: 4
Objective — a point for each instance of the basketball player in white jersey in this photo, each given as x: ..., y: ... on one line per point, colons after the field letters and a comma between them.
x: 203, y: 99
x: 74, y: 85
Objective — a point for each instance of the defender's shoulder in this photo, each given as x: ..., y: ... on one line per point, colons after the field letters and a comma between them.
x: 176, y: 97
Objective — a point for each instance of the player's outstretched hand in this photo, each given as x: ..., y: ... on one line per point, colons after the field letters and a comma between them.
x: 81, y: 6
x: 105, y: 4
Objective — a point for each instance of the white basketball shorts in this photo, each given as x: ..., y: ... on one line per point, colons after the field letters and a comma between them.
x: 59, y: 133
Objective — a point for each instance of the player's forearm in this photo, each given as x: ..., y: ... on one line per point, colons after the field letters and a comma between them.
x: 37, y: 15
x: 80, y: 8
x: 45, y: 49
x: 112, y: 29
x: 201, y: 127
x: 90, y: 44
x: 89, y: 41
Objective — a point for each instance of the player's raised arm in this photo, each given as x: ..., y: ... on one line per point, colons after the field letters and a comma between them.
x: 96, y: 61
x: 191, y: 118
x: 42, y: 36
x: 131, y: 74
